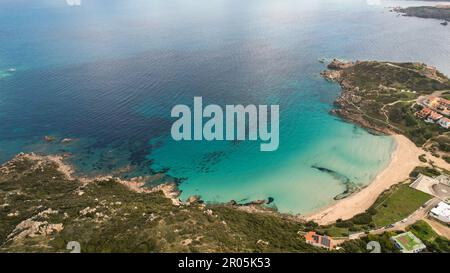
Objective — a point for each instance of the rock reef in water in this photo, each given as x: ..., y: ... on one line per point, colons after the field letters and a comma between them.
x: 350, y: 187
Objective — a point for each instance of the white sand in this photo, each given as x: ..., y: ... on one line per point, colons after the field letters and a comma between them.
x: 403, y: 160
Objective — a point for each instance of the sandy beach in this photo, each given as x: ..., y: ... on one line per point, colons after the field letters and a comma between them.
x: 403, y: 161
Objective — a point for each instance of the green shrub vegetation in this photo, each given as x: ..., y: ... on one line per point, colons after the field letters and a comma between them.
x: 421, y: 229
x: 382, y: 96
x: 427, y: 12
x: 432, y: 172
x: 431, y: 239
x: 423, y: 158
x: 399, y: 204
x: 105, y: 216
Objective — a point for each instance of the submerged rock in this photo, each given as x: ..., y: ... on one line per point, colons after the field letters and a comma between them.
x: 49, y: 138
x: 256, y: 202
x: 67, y: 140
x: 350, y: 187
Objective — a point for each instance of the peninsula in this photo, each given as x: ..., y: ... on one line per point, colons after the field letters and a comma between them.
x: 441, y: 12
x: 411, y: 99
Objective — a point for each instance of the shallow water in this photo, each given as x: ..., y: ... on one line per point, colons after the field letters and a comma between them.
x: 107, y: 73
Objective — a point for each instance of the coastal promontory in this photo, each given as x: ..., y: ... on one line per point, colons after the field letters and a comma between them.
x: 395, y: 98
x: 441, y: 12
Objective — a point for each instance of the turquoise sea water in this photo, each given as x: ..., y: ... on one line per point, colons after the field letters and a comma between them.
x: 107, y: 73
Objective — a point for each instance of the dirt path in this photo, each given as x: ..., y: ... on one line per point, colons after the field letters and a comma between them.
x: 439, y: 228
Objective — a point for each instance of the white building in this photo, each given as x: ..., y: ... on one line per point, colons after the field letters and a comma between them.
x: 441, y: 212
x: 444, y: 122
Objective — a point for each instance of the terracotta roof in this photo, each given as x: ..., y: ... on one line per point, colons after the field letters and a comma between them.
x: 435, y: 116
x: 445, y: 101
x: 316, y: 239
x: 424, y: 112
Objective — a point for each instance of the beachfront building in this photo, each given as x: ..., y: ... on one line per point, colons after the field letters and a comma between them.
x: 434, y: 117
x: 408, y: 243
x: 433, y: 101
x: 444, y: 122
x: 431, y: 116
x: 319, y: 240
x: 424, y: 113
x: 438, y: 104
x: 441, y: 212
x: 443, y: 106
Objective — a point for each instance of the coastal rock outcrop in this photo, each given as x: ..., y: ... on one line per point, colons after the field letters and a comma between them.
x: 108, y: 216
x: 385, y: 97
x: 193, y: 199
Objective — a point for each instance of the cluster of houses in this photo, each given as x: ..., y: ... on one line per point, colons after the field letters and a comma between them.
x: 436, y: 110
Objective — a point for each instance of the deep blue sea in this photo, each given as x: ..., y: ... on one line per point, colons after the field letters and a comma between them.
x: 107, y: 73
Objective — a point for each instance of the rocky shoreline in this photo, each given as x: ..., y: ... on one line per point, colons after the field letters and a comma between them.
x: 137, y: 184
x: 350, y: 96
x: 44, y: 205
x: 371, y: 90
x: 439, y: 12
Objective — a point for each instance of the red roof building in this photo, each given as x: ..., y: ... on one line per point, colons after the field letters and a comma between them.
x: 424, y: 113
x: 319, y: 240
x: 434, y: 116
